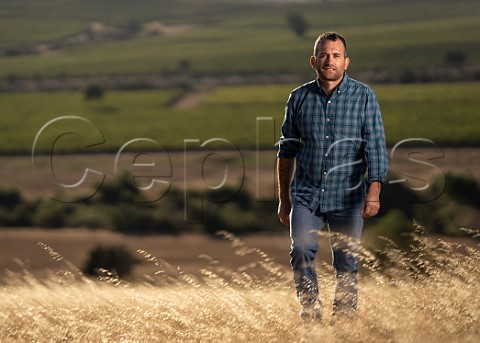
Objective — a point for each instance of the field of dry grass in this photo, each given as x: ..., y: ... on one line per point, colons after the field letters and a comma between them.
x: 428, y: 297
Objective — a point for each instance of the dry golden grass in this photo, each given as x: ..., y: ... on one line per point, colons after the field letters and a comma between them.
x: 428, y: 295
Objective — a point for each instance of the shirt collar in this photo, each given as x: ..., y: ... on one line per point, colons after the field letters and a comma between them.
x: 341, y: 88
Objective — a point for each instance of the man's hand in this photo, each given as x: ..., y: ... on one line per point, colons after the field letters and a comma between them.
x: 285, y: 167
x: 370, y: 208
x: 284, y: 208
x: 371, y: 204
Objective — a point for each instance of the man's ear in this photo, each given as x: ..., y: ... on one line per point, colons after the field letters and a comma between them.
x: 347, y: 62
x: 313, y: 61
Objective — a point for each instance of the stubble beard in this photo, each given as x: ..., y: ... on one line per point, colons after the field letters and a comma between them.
x: 327, y: 76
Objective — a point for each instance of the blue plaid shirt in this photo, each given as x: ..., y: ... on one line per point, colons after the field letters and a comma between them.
x: 335, y: 142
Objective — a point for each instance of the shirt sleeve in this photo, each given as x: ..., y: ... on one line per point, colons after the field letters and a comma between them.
x: 290, y: 139
x: 375, y: 146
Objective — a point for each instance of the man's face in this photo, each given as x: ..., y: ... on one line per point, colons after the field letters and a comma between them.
x: 331, y: 62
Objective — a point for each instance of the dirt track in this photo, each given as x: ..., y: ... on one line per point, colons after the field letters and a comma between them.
x: 190, y: 253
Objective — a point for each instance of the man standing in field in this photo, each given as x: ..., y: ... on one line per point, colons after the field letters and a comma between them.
x: 331, y: 135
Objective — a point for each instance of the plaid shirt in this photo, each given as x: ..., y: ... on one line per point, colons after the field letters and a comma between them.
x: 335, y: 142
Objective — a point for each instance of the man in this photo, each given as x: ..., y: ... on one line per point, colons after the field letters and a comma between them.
x: 332, y: 135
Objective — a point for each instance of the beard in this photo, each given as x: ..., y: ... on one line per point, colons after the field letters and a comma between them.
x: 330, y: 75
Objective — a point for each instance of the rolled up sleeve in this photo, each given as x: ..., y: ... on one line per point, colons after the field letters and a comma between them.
x: 290, y: 139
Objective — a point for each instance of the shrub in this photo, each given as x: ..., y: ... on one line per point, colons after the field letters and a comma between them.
x: 464, y: 189
x: 455, y: 58
x: 116, y: 259
x: 395, y: 226
x: 20, y: 215
x: 120, y: 190
x: 50, y: 214
x: 9, y: 197
x: 93, y: 92
x: 93, y: 217
x: 297, y: 23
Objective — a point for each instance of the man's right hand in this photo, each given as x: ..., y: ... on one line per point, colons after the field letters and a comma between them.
x: 284, y: 208
x: 285, y: 167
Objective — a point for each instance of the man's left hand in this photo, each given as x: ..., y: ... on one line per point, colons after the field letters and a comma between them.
x: 371, y: 204
x: 370, y: 208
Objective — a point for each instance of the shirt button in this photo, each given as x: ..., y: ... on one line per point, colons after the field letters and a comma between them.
x: 326, y: 155
x: 327, y: 136
x: 329, y: 101
x: 324, y: 173
x: 328, y: 119
x: 323, y: 189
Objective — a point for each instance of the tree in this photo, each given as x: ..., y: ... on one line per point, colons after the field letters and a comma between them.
x: 297, y: 23
x: 93, y: 92
x: 455, y: 58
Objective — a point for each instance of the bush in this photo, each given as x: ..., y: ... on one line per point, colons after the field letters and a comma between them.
x: 455, y: 207
x: 20, y: 215
x: 398, y: 196
x: 463, y: 189
x: 455, y: 58
x: 93, y: 92
x: 120, y: 190
x: 50, y: 214
x: 93, y: 217
x: 297, y: 23
x: 116, y: 259
x: 14, y: 210
x: 9, y: 197
x: 395, y: 226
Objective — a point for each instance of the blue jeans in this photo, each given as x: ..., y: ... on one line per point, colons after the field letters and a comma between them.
x: 345, y: 229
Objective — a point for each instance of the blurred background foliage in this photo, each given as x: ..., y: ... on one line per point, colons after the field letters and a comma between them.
x: 451, y: 203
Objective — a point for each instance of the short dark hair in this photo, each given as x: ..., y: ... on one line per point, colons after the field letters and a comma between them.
x: 333, y: 36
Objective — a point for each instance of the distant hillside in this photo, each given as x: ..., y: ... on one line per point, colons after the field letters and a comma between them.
x: 389, y: 41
